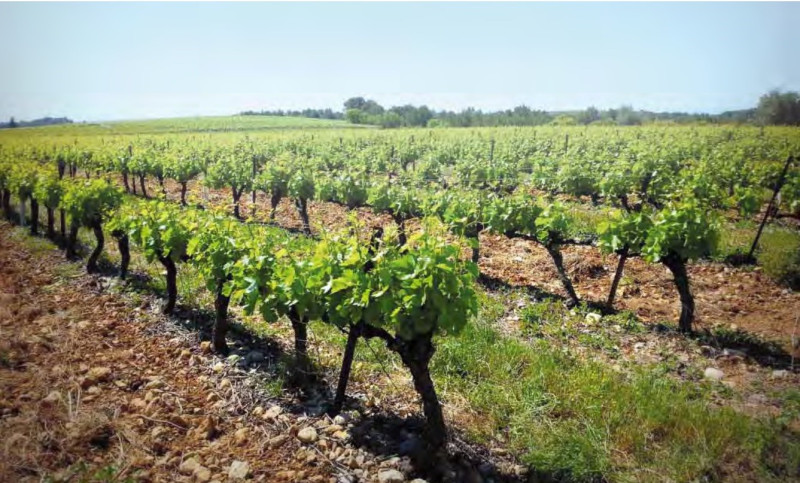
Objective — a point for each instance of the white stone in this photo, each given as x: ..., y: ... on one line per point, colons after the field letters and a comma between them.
x: 713, y: 374
x: 238, y: 470
x: 391, y: 476
x: 593, y: 318
x: 307, y: 435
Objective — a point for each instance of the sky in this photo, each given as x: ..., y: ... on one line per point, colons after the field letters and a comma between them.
x: 105, y: 61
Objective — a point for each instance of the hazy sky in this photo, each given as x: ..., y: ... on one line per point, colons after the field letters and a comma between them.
x: 96, y: 61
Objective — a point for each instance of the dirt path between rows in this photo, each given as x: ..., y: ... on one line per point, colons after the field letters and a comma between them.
x: 85, y: 386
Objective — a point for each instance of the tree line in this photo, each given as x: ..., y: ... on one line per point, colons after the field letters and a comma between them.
x: 45, y: 121
x: 774, y: 108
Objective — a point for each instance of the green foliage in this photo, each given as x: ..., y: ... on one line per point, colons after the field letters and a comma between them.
x: 423, y: 288
x: 22, y: 180
x: 395, y: 199
x: 553, y: 224
x: 684, y: 230
x: 301, y: 185
x: 183, y: 165
x: 218, y: 243
x: 159, y: 228
x: 274, y: 180
x: 625, y: 230
x: 230, y: 169
x: 778, y: 107
x: 49, y: 189
x: 90, y: 201
x: 748, y: 200
x: 513, y: 214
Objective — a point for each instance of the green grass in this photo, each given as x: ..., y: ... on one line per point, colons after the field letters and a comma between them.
x: 582, y: 420
x: 778, y: 250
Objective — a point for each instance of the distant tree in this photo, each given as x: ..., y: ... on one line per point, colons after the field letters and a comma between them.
x: 355, y: 116
x: 12, y: 122
x: 391, y: 119
x: 779, y: 108
x: 372, y: 108
x: 355, y: 103
x: 626, y: 116
x: 590, y: 115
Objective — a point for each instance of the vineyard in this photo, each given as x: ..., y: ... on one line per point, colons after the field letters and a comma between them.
x: 515, y: 273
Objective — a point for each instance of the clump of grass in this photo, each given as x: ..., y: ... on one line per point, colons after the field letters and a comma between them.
x: 551, y: 320
x: 578, y: 419
x: 779, y: 255
x: 778, y: 249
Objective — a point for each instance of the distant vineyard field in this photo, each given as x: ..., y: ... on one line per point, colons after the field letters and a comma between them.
x: 186, y: 125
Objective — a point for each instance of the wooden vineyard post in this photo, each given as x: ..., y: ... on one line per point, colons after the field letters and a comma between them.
x: 778, y: 187
x: 253, y: 208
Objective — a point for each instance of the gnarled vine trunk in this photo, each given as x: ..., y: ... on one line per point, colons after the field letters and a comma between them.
x: 124, y: 252
x: 7, y: 202
x: 220, y: 320
x: 401, y: 229
x: 677, y: 266
x: 274, y: 200
x: 91, y: 264
x: 183, y: 193
x: 34, y: 217
x: 51, y: 222
x: 125, y: 182
x: 300, y: 328
x: 172, y: 286
x: 72, y: 240
x: 617, y: 276
x: 160, y: 178
x: 62, y: 217
x: 416, y: 355
x: 237, y: 194
x: 302, y: 209
x: 555, y: 253
x: 141, y: 182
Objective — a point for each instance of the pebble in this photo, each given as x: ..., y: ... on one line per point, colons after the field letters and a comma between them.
x: 278, y: 441
x: 713, y: 374
x: 307, y: 435
x: 52, y: 398
x: 391, y: 476
x: 238, y: 470
x: 593, y: 318
x: 189, y: 466
x: 95, y: 375
x: 202, y: 474
x: 272, y: 412
x: 240, y: 436
x: 779, y: 373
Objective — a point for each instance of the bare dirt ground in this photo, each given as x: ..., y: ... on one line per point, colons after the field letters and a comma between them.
x: 83, y: 382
